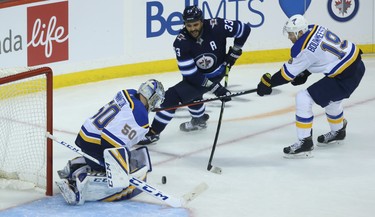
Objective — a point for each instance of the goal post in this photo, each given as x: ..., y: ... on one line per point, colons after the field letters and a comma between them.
x: 26, y: 114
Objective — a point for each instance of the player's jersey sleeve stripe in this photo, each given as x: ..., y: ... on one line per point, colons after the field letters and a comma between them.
x: 186, y: 63
x: 131, y: 103
x: 345, y: 63
x: 286, y: 74
x: 89, y: 137
x: 187, y: 67
x: 239, y: 30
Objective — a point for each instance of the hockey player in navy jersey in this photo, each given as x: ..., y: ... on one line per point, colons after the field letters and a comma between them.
x: 202, y: 58
x: 109, y: 137
x: 316, y: 49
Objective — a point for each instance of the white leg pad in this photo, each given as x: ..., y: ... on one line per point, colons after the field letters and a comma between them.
x: 96, y: 188
x: 117, y: 167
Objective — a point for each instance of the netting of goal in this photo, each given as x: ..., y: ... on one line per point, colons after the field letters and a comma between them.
x: 25, y: 116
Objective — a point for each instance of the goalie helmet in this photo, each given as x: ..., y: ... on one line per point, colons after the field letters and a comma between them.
x: 192, y: 14
x: 153, y: 91
x: 295, y: 24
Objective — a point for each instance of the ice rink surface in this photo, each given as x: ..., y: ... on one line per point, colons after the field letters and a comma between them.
x: 339, y: 181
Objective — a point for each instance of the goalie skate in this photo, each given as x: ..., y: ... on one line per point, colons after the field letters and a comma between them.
x: 195, y: 124
x: 72, y: 191
x: 68, y: 192
x: 300, y: 149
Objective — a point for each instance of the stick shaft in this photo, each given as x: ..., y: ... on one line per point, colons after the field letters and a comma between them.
x: 209, y: 165
x: 204, y: 100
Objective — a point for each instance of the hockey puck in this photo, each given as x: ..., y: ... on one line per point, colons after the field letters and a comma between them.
x: 164, y: 180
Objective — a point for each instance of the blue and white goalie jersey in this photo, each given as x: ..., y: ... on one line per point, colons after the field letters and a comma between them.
x: 121, y: 122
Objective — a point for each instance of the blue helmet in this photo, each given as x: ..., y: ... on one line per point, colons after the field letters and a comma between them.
x: 192, y: 14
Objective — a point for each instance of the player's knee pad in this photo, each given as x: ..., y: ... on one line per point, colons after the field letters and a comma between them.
x: 117, y: 167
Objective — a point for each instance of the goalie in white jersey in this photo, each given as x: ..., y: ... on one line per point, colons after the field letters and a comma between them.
x: 109, y: 136
x: 316, y: 49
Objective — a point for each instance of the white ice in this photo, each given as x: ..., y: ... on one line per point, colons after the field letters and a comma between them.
x: 256, y: 180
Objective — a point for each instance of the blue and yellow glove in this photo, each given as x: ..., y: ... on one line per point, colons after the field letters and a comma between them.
x: 265, y: 86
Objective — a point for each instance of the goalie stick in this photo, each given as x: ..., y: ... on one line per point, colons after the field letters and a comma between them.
x: 205, y: 100
x: 142, y: 185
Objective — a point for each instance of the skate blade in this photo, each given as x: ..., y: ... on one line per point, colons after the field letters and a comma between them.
x: 337, y: 142
x: 192, y: 129
x: 302, y: 155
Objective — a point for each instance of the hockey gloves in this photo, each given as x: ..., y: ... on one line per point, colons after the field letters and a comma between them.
x: 264, y: 86
x: 220, y: 91
x: 232, y: 56
x: 301, y: 78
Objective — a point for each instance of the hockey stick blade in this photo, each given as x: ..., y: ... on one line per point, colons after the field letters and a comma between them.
x: 199, y: 189
x: 204, y: 100
x: 214, y: 169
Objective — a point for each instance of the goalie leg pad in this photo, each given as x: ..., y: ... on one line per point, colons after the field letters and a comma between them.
x: 117, y: 167
x: 96, y: 189
x: 140, y: 158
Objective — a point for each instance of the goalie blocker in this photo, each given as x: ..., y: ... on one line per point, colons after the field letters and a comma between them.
x: 80, y: 183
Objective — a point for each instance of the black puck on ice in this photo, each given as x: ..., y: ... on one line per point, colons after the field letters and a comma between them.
x: 164, y: 180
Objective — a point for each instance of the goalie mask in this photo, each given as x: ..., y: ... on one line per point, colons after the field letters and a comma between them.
x: 295, y: 24
x: 154, y: 92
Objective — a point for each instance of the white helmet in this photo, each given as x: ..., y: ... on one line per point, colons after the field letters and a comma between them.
x: 153, y: 91
x: 295, y: 24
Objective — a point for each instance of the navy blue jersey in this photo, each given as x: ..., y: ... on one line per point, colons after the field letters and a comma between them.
x: 202, y: 58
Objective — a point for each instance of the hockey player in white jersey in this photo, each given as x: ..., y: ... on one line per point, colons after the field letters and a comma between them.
x: 316, y: 49
x: 109, y: 137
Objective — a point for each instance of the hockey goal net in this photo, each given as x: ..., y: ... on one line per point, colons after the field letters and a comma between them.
x: 25, y: 116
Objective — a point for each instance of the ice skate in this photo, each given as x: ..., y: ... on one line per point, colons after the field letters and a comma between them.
x: 195, y: 124
x: 300, y: 149
x: 69, y: 192
x: 333, y: 136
